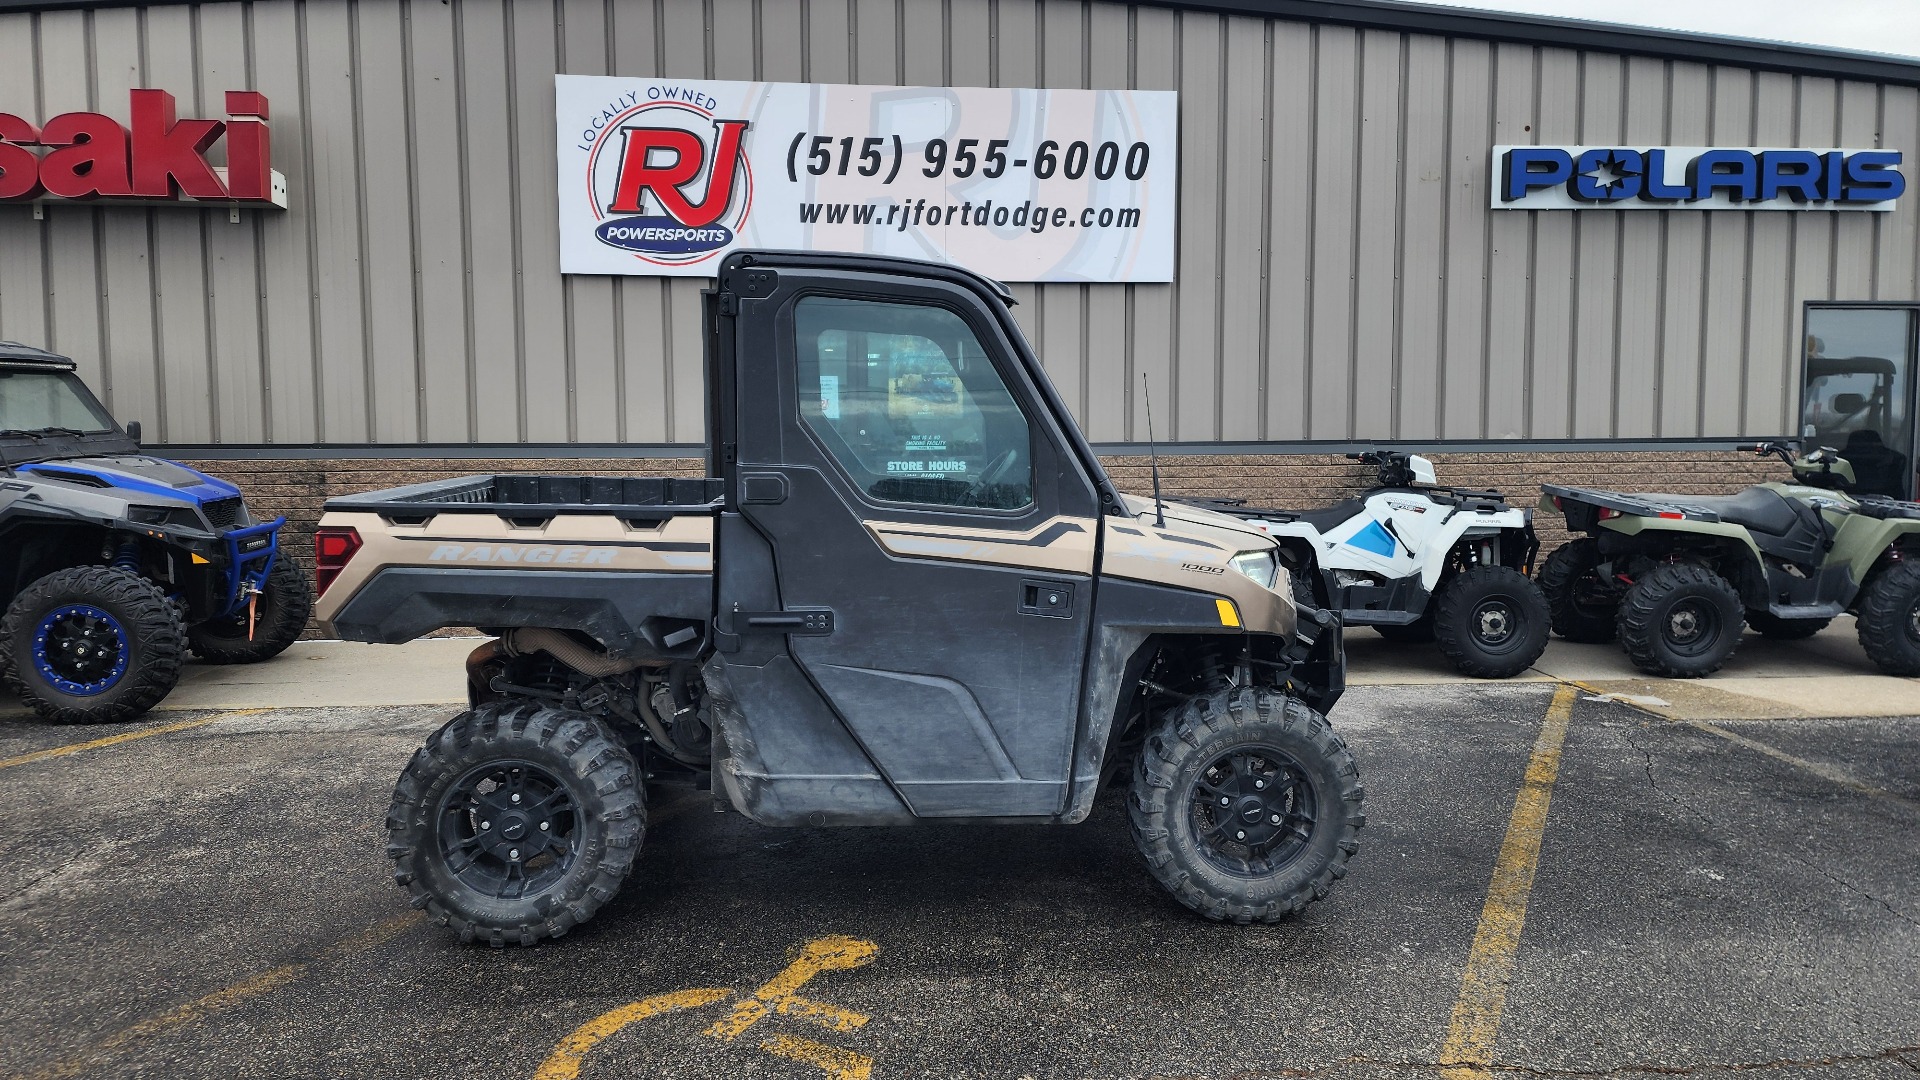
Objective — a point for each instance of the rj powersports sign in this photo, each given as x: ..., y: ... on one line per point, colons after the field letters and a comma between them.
x: 156, y: 156
x: 662, y: 177
x: 1694, y: 178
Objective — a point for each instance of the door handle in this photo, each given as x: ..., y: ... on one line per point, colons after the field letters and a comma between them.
x: 1048, y: 599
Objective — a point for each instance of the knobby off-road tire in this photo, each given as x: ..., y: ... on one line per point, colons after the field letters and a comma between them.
x: 1889, y: 619
x: 1770, y: 625
x: 1418, y: 632
x: 1271, y: 757
x: 1564, y: 577
x: 279, y: 616
x: 92, y: 645
x: 1491, y: 622
x: 1681, y: 621
x: 478, y: 859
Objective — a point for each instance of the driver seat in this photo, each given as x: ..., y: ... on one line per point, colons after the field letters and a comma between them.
x: 1782, y: 527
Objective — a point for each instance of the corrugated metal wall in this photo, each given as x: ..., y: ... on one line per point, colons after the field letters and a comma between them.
x: 1339, y: 274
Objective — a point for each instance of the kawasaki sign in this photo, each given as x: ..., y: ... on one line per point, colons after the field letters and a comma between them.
x: 156, y: 157
x: 1694, y: 178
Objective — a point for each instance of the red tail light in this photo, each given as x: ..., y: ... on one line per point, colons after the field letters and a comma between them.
x: 333, y: 549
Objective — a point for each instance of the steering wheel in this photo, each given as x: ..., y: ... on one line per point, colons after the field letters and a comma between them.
x: 995, y: 471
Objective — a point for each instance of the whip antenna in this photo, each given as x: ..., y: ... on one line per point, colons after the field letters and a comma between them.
x: 1153, y: 457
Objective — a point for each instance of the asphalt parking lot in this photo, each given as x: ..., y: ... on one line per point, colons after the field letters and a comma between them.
x: 210, y: 898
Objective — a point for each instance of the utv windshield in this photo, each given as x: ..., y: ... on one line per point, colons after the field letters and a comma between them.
x: 49, y: 402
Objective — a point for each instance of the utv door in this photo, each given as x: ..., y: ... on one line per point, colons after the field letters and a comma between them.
x: 910, y: 535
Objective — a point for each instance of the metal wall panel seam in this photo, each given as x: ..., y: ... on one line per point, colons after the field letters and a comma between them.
x: 1268, y: 169
x: 1403, y: 76
x: 318, y: 353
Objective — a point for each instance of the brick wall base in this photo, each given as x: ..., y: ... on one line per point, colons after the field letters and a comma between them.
x: 297, y: 488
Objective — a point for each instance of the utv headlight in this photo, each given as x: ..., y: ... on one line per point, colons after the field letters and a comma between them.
x: 165, y: 516
x: 1262, y: 566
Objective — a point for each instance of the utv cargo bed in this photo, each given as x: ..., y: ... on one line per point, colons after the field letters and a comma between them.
x: 520, y: 495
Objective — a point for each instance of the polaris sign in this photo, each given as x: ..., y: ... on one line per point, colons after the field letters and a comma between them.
x: 1694, y: 178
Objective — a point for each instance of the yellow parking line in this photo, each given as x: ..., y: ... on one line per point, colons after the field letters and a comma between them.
x: 125, y: 736
x: 224, y: 998
x: 1475, y: 1024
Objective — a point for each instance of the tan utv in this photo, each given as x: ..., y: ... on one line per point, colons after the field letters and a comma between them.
x: 907, y: 591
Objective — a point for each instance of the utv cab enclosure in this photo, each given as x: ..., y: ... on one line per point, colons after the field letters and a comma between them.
x: 907, y: 591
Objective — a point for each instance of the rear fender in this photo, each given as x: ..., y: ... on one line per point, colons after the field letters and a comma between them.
x: 1862, y: 544
x: 1515, y: 523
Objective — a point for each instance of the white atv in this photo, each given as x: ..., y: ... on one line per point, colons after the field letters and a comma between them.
x: 1420, y: 562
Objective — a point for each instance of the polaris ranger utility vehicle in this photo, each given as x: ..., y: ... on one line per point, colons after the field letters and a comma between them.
x: 907, y: 592
x: 1676, y: 576
x: 1421, y: 562
x: 113, y: 563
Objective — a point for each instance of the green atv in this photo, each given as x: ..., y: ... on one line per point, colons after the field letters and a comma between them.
x: 1675, y: 577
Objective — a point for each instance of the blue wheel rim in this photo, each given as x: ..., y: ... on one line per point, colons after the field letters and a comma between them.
x: 81, y: 650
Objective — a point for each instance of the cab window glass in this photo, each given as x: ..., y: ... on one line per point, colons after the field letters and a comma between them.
x: 906, y: 400
x: 33, y: 400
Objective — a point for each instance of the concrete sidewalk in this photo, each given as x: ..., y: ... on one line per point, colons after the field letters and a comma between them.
x: 1826, y: 676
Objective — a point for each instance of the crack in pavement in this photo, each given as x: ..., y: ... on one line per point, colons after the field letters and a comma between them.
x: 1654, y: 783
x: 1899, y: 1054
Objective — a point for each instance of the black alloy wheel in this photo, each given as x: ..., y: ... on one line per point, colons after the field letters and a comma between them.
x: 508, y: 828
x: 1253, y: 810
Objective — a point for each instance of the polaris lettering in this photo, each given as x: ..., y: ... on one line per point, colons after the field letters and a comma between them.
x: 1695, y: 178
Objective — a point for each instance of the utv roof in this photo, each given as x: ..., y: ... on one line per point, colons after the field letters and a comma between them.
x: 15, y: 355
x: 1818, y: 366
x: 884, y: 264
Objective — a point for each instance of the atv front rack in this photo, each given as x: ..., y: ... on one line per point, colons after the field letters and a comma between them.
x: 250, y: 555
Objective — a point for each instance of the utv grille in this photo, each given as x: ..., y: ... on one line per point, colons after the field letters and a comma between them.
x: 223, y: 513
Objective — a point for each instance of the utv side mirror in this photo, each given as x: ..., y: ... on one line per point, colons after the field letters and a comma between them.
x: 133, y: 431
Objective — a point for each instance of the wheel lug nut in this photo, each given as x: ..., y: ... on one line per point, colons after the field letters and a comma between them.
x: 1275, y: 819
x: 516, y: 797
x: 1258, y: 784
x: 1239, y: 836
x: 514, y: 854
x: 1224, y: 801
x: 545, y: 825
x: 485, y: 825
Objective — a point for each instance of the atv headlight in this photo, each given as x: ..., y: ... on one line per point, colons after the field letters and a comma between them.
x: 1262, y: 566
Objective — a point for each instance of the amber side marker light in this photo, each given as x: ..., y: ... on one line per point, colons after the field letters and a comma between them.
x: 333, y: 549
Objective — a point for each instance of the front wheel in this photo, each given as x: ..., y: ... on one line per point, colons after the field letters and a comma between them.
x: 1246, y: 805
x: 279, y: 615
x: 1681, y: 620
x: 91, y: 645
x: 515, y: 822
x: 1889, y: 623
x: 1491, y: 621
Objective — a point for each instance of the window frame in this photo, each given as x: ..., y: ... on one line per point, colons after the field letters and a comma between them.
x: 1911, y: 362
x: 789, y: 330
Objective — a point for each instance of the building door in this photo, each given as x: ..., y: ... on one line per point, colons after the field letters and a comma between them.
x: 1858, y: 391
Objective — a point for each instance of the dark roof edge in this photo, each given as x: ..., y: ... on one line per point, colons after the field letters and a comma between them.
x: 1581, y: 34
x: 1417, y: 18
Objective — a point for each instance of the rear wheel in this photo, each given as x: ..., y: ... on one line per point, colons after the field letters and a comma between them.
x: 1491, y: 621
x: 515, y: 822
x: 1583, y: 606
x: 91, y: 645
x: 1889, y: 623
x: 1246, y: 805
x: 1770, y: 625
x: 279, y: 615
x: 1681, y: 620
